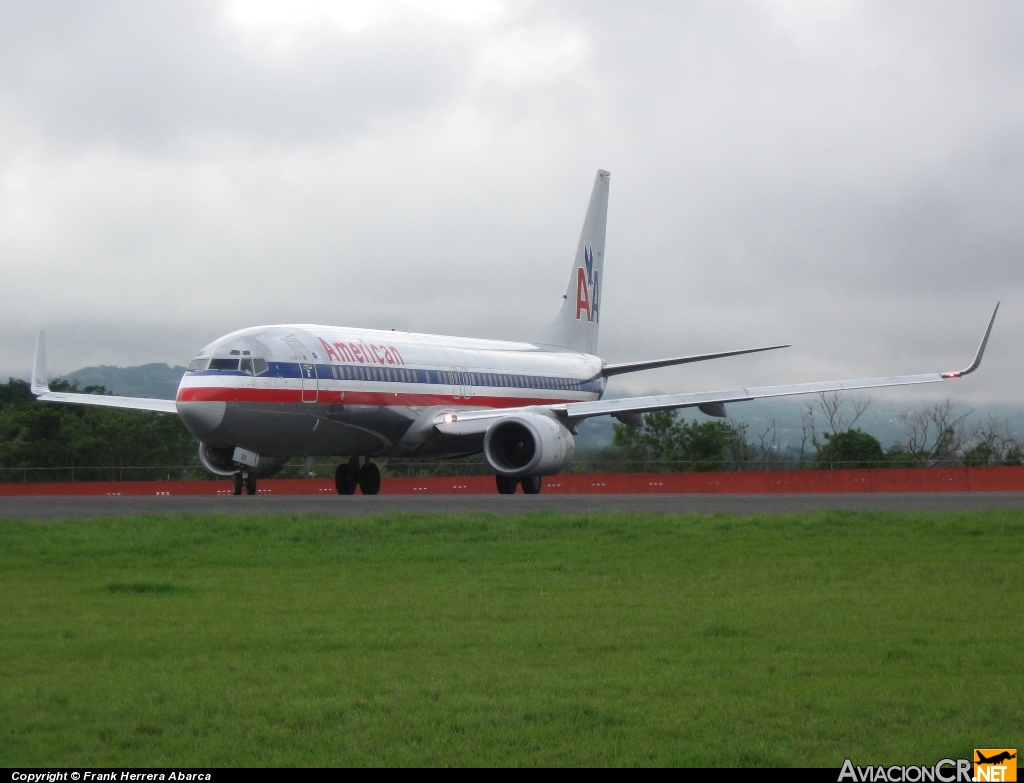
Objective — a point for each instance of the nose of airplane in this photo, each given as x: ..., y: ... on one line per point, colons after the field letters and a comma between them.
x: 202, y: 418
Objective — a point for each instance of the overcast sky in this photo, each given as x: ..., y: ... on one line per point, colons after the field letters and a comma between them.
x: 847, y: 177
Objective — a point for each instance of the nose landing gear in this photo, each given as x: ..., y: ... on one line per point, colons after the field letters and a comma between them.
x: 245, y: 479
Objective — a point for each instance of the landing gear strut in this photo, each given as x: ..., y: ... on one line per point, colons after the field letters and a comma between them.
x: 351, y: 474
x: 242, y: 479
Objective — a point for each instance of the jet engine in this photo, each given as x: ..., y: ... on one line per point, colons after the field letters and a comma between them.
x: 218, y: 461
x: 528, y: 444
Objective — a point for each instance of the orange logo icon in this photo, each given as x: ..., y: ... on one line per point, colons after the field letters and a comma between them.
x: 995, y: 764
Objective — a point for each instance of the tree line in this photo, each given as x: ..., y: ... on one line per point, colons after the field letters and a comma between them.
x: 936, y: 434
x: 45, y: 442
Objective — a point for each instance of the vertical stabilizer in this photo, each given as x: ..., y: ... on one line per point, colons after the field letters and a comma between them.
x: 579, y: 315
x: 39, y: 383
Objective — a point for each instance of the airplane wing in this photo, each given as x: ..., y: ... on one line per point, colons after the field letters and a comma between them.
x: 41, y: 389
x: 477, y: 421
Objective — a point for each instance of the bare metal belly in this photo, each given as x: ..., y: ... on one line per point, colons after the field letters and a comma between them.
x: 309, y: 429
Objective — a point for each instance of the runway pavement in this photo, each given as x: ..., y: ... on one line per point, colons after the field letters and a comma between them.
x: 54, y: 507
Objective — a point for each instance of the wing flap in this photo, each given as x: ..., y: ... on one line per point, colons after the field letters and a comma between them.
x: 583, y: 410
x: 109, y: 401
x: 476, y: 422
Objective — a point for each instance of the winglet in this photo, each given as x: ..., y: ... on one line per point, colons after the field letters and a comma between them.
x: 981, y: 350
x: 39, y: 384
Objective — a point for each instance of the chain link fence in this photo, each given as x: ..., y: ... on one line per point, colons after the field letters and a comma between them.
x: 472, y: 466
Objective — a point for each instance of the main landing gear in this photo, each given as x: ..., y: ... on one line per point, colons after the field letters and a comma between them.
x: 243, y: 478
x: 351, y: 474
x: 507, y: 484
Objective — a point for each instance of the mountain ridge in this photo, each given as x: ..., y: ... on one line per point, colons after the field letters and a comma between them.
x: 155, y: 381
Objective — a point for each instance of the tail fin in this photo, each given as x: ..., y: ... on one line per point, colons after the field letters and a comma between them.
x: 575, y: 326
x: 39, y: 375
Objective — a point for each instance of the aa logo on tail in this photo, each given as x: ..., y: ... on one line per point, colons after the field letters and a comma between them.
x: 587, y: 290
x: 995, y: 764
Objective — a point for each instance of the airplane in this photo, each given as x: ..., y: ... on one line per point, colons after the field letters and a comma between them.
x: 258, y: 397
x: 996, y: 759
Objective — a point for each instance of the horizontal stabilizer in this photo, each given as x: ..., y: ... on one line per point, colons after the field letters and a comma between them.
x: 619, y: 369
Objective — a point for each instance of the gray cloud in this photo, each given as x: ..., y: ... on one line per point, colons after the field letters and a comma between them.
x: 150, y: 75
x: 845, y: 176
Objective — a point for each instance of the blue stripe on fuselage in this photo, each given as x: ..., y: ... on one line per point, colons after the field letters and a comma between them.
x: 406, y: 375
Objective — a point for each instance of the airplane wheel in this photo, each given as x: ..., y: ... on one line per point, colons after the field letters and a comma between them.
x: 369, y: 479
x: 506, y: 484
x: 531, y: 485
x: 236, y: 483
x: 345, y: 479
x: 250, y: 484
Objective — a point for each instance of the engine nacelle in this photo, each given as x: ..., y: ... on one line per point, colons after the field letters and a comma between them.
x: 218, y: 461
x: 528, y: 444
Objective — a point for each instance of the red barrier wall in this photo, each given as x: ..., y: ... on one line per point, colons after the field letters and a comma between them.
x: 997, y: 479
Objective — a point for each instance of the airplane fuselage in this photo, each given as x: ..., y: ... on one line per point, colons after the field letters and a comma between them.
x: 307, y: 390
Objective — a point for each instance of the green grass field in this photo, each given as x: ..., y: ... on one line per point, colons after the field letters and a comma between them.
x: 541, y: 639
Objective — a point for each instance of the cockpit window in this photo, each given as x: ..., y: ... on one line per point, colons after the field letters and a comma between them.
x: 250, y: 365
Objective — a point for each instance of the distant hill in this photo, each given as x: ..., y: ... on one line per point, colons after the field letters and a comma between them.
x: 156, y: 381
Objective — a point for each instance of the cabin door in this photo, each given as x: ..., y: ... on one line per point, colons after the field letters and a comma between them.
x: 461, y: 386
x: 310, y: 390
x: 307, y: 369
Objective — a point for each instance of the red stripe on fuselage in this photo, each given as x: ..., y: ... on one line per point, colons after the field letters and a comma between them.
x: 378, y: 398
